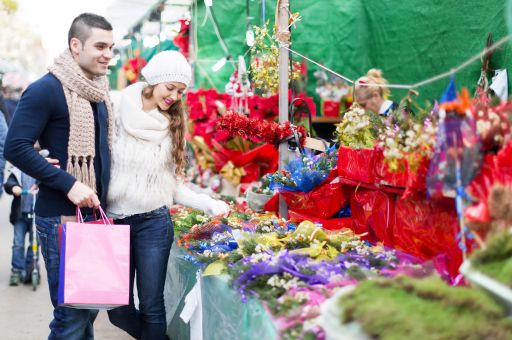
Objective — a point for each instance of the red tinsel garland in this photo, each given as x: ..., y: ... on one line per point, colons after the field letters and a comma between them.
x: 258, y: 130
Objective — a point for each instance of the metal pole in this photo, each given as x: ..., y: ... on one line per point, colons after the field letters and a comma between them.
x: 283, y: 36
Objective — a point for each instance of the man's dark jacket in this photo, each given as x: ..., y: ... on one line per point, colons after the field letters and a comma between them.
x: 42, y: 114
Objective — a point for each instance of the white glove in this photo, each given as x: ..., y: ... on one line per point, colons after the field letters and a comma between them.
x: 202, y: 202
x: 215, y: 208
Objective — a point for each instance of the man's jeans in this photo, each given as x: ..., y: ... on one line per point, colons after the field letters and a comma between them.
x: 67, y: 323
x: 21, y: 262
x: 151, y: 240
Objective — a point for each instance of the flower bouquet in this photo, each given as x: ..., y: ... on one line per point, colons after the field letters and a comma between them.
x: 184, y: 219
x: 458, y: 149
x: 294, y: 286
x: 357, y: 134
x: 310, y: 185
x: 404, y: 151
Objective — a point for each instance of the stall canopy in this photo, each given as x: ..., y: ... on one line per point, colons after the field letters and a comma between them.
x: 125, y: 15
x: 409, y: 40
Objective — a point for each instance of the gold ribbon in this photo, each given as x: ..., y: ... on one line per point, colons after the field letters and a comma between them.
x: 232, y: 173
x: 203, y: 153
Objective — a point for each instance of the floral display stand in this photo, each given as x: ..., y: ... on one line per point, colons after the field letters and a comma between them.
x: 223, y: 315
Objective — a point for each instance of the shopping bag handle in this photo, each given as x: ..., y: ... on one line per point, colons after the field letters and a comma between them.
x: 79, y: 217
x: 104, y: 218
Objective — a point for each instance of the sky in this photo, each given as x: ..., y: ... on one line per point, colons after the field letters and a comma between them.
x: 51, y: 19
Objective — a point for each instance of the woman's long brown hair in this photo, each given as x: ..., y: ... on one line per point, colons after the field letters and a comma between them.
x: 177, y: 129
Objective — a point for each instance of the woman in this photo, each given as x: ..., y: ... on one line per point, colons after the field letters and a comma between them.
x: 371, y: 93
x: 148, y: 159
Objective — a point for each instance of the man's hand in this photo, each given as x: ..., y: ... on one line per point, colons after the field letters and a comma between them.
x: 45, y: 153
x: 53, y: 161
x: 83, y: 196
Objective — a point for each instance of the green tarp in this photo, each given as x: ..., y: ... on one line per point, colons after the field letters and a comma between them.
x: 409, y: 40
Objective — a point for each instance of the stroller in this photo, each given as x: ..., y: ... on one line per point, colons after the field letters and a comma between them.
x: 35, y: 273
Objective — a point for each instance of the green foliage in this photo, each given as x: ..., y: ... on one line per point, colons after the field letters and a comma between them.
x: 407, y: 308
x: 496, y: 259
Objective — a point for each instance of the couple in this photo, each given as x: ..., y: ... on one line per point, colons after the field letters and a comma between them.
x: 129, y: 159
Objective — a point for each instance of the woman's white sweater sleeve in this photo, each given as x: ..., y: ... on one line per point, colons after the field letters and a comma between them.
x: 185, y: 196
x: 189, y: 198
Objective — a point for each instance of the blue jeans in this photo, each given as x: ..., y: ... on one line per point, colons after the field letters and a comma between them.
x: 67, y: 323
x: 21, y: 262
x: 151, y: 235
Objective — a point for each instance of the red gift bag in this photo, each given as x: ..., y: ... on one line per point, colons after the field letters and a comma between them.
x: 373, y: 212
x: 386, y: 177
x: 428, y: 230
x: 356, y: 164
x: 323, y: 201
x: 412, y: 180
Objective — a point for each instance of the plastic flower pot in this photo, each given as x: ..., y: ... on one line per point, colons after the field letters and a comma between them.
x: 256, y: 201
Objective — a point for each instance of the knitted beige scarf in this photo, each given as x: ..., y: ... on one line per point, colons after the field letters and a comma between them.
x: 80, y: 92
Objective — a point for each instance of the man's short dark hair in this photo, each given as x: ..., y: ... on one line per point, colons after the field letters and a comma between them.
x: 82, y: 24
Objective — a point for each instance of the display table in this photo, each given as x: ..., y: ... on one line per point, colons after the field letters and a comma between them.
x: 223, y: 314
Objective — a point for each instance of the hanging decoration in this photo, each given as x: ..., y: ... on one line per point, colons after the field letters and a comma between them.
x: 264, y: 63
x: 239, y: 88
x: 182, y: 39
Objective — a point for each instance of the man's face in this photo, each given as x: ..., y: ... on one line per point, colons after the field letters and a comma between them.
x: 95, y: 53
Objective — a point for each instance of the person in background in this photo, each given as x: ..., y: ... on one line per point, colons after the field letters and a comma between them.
x: 371, y: 93
x: 148, y: 161
x: 3, y: 135
x: 13, y: 85
x: 68, y: 111
x: 22, y: 187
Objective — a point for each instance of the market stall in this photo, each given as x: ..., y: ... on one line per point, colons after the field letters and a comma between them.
x: 393, y: 214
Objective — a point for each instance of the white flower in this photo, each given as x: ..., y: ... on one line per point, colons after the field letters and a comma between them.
x: 482, y: 126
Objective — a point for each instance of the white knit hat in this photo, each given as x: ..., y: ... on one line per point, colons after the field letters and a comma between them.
x: 167, y: 66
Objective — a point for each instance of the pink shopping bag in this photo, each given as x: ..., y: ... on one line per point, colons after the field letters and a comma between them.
x: 94, y: 265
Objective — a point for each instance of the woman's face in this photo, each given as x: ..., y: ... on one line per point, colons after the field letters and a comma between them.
x: 165, y: 94
x: 370, y: 103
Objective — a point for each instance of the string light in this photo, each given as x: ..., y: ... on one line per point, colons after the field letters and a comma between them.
x: 435, y: 78
x: 249, y: 36
x: 219, y: 64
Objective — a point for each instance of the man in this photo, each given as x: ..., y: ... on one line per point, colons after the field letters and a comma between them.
x: 68, y: 111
